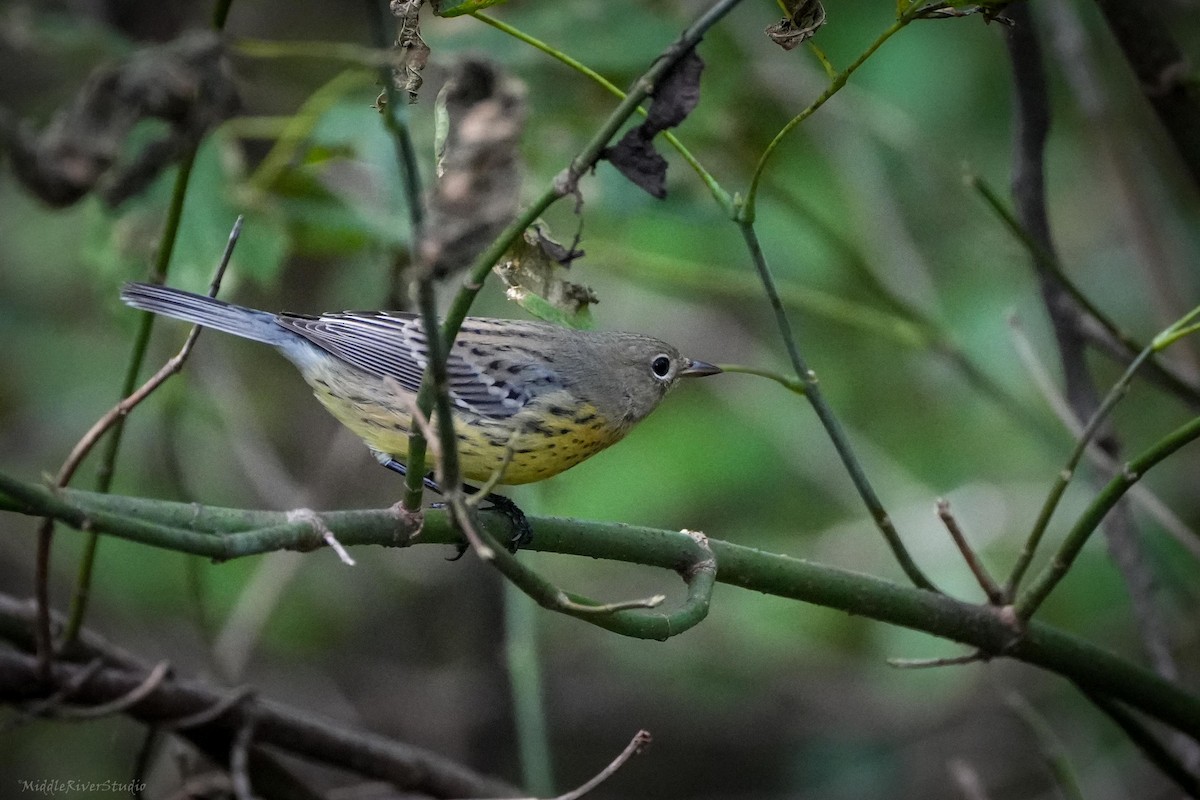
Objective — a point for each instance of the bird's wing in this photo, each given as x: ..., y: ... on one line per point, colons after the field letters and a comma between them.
x: 485, y: 380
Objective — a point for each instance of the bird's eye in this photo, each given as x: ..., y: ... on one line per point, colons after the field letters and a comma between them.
x: 662, y: 367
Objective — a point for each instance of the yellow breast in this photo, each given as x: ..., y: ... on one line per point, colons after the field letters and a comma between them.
x: 553, y: 433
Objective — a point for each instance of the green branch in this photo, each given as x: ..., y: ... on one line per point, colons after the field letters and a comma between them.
x: 719, y: 194
x: 224, y: 534
x: 1091, y: 518
x: 1025, y: 557
x: 1163, y: 340
x: 190, y: 528
x: 567, y: 181
x: 833, y: 427
x: 907, y: 13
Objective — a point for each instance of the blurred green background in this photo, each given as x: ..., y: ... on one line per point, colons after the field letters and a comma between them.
x: 766, y: 699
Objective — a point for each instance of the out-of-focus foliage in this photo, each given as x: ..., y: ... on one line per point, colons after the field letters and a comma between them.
x: 766, y: 699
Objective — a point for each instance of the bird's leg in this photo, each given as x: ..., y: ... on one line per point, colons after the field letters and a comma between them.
x: 522, y: 532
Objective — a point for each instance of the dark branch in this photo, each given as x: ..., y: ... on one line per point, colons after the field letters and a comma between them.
x: 279, y: 726
x: 1163, y: 71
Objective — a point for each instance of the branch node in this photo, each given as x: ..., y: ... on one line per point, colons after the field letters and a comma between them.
x: 411, y: 524
x: 307, y: 515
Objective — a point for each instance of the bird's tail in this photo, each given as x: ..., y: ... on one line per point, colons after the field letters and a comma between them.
x: 207, y: 311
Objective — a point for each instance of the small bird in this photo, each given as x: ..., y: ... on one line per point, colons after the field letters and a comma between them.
x: 530, y: 398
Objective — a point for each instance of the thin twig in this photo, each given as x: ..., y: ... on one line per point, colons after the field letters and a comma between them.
x: 833, y: 426
x: 394, y: 119
x: 494, y: 479
x: 635, y: 747
x: 480, y: 543
x: 459, y: 506
x: 1187, y: 537
x: 1090, y: 430
x: 932, y: 663
x: 908, y: 11
x: 791, y: 384
x: 104, y: 475
x: 121, y: 704
x: 1068, y: 317
x: 1146, y: 226
x: 1094, y: 514
x: 213, y: 712
x: 995, y: 594
x: 311, y: 517
x: 68, y: 688
x: 1097, y: 328
x: 113, y: 418
x: 239, y: 756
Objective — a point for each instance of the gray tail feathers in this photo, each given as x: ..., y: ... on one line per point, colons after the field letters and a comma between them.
x: 207, y: 311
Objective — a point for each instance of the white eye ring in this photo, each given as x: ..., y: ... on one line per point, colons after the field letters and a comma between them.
x: 663, y: 367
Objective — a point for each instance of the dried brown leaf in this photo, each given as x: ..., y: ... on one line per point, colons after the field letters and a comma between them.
x: 673, y: 99
x: 186, y: 83
x: 803, y: 20
x: 481, y: 116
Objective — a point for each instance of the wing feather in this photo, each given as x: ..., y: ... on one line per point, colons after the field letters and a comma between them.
x: 485, y: 378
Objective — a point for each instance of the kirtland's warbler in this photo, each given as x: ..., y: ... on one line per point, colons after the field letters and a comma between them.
x: 551, y: 395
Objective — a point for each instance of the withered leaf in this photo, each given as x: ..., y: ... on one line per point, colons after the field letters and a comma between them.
x: 635, y: 157
x: 672, y: 100
x: 481, y: 115
x: 555, y: 251
x: 676, y: 94
x: 804, y: 19
x: 533, y: 269
x: 186, y: 83
x: 413, y: 52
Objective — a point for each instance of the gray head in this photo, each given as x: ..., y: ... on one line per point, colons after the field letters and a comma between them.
x: 626, y: 375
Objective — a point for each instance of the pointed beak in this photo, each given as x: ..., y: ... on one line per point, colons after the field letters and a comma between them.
x: 698, y: 369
